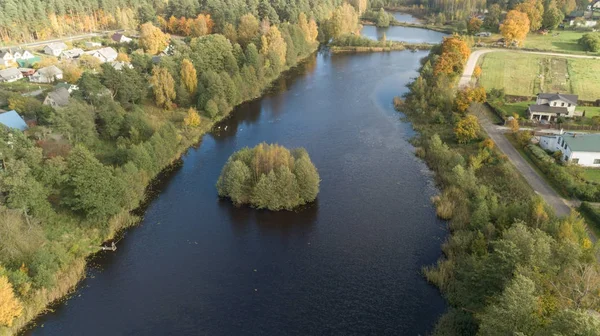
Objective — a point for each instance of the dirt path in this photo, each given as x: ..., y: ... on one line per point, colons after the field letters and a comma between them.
x: 465, y: 79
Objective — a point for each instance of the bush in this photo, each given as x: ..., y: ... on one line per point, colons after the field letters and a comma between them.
x: 269, y: 177
x: 590, y: 42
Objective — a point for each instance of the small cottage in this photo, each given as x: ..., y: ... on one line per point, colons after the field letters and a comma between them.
x: 107, y: 54
x: 120, y: 38
x: 6, y: 58
x: 90, y: 44
x: 58, y: 98
x: 71, y: 54
x: 47, y: 75
x: 10, y: 75
x: 117, y: 65
x: 55, y: 49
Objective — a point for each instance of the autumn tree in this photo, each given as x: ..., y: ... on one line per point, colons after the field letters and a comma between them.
x: 477, y: 71
x: 71, y: 72
x: 152, y: 39
x: 309, y: 28
x: 274, y: 43
x: 469, y: 95
x: 455, y: 53
x: 123, y: 57
x: 359, y: 5
x: 515, y: 27
x: 344, y: 21
x: 467, y: 129
x: 201, y: 25
x: 192, y: 119
x: 163, y: 87
x: 188, y: 76
x: 513, y: 124
x: 474, y: 25
x: 535, y: 12
x: 10, y: 307
x: 247, y: 29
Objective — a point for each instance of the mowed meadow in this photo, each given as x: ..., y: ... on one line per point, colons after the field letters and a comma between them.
x: 522, y: 74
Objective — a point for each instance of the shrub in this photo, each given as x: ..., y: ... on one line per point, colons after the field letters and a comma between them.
x: 269, y: 177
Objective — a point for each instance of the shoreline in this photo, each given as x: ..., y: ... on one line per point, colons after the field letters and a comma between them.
x: 68, y: 279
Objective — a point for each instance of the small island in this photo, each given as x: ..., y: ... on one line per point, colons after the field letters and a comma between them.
x: 269, y: 177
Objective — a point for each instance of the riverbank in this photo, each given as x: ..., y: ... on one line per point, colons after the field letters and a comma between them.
x: 492, y: 213
x: 381, y: 47
x: 70, y: 275
x: 442, y: 29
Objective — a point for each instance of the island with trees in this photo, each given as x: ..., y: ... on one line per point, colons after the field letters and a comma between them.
x: 269, y: 177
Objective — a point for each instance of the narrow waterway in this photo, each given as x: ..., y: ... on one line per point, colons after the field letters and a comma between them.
x: 347, y: 265
x: 404, y: 17
x: 404, y: 34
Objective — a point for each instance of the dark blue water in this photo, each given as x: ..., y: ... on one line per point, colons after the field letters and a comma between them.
x: 347, y: 265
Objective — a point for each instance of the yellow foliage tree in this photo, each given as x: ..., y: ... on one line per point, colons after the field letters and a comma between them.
x: 474, y: 25
x: 152, y: 39
x: 515, y: 27
x: 192, y: 119
x: 201, y: 25
x: 10, y: 307
x: 535, y: 12
x: 71, y: 72
x: 123, y: 57
x: 45, y: 62
x: 468, y: 95
x: 247, y: 29
x: 274, y: 42
x: 513, y: 124
x: 309, y: 28
x: 344, y: 20
x: 189, y: 76
x: 163, y: 87
x: 477, y: 71
x: 467, y: 129
x: 173, y: 25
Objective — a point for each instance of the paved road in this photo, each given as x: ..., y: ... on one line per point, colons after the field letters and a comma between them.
x: 536, y: 182
x: 465, y: 79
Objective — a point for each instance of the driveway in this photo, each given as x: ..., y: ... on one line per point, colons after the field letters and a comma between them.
x: 537, y: 183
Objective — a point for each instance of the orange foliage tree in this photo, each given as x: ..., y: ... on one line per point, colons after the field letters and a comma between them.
x: 455, y: 53
x: 477, y: 71
x: 10, y: 307
x: 515, y: 27
x: 468, y: 95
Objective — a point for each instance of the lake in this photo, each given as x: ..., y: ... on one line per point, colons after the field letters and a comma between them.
x: 349, y: 264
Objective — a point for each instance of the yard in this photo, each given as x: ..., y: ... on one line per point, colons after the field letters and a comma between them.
x: 529, y: 74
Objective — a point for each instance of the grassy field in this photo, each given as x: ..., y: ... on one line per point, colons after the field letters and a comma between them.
x: 592, y: 174
x: 528, y: 74
x: 558, y: 40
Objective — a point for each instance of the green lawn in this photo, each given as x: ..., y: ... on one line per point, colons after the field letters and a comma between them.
x: 529, y: 74
x: 518, y: 108
x: 592, y: 174
x: 565, y: 41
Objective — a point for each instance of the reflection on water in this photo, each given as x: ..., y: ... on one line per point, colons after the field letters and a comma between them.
x: 403, y: 17
x: 348, y: 264
x: 404, y: 34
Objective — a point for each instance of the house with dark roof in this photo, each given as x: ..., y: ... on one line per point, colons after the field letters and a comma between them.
x: 120, y: 38
x: 549, y: 106
x: 10, y: 75
x: 12, y: 119
x: 581, y: 149
x: 58, y: 98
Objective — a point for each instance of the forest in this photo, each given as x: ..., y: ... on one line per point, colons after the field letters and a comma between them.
x: 71, y: 180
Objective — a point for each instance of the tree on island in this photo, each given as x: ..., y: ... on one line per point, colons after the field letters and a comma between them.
x: 269, y: 177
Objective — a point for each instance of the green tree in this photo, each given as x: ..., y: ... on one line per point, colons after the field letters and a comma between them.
x: 552, y: 16
x: 91, y: 188
x: 467, y: 129
x: 590, y: 42
x: 383, y: 19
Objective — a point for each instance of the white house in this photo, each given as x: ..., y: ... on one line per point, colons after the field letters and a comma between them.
x: 71, y: 54
x: 550, y: 106
x: 55, y: 49
x: 586, y: 23
x: 117, y: 65
x: 20, y: 54
x: 47, y: 75
x: 120, y: 38
x: 581, y: 149
x: 107, y: 54
x: 6, y: 58
x: 10, y: 75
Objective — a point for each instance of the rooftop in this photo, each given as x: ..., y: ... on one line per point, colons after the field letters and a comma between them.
x: 60, y: 96
x: 548, y: 109
x: 13, y: 120
x: 57, y: 45
x: 10, y: 73
x: 569, y: 98
x: 582, y: 142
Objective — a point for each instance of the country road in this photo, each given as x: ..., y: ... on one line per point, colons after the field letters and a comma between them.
x: 465, y: 79
x: 62, y: 39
